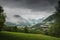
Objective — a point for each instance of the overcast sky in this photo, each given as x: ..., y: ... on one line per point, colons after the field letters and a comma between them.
x: 28, y: 8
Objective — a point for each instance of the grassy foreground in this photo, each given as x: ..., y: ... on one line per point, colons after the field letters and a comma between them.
x: 24, y: 36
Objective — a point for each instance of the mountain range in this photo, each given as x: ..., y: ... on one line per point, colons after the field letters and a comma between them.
x: 23, y: 22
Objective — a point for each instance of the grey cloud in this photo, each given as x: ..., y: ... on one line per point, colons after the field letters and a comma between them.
x: 35, y: 5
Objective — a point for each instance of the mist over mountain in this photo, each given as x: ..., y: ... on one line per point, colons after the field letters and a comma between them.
x: 35, y: 21
x: 23, y: 22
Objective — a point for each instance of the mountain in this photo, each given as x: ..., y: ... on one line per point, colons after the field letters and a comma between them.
x: 10, y: 24
x: 20, y: 21
x: 38, y: 25
x: 35, y: 21
x: 23, y: 22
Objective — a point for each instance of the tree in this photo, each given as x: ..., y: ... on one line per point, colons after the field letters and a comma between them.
x: 26, y: 29
x: 55, y: 28
x: 2, y: 18
x: 15, y: 28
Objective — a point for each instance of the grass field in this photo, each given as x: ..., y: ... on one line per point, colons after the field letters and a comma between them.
x: 24, y: 36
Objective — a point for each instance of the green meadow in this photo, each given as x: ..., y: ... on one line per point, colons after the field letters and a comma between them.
x: 24, y: 36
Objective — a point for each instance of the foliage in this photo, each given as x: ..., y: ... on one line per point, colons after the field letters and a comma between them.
x: 55, y: 27
x: 26, y: 29
x: 2, y: 18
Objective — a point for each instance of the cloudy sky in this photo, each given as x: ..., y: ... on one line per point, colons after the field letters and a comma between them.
x: 28, y: 8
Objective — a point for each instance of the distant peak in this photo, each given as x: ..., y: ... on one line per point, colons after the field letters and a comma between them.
x: 17, y: 16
